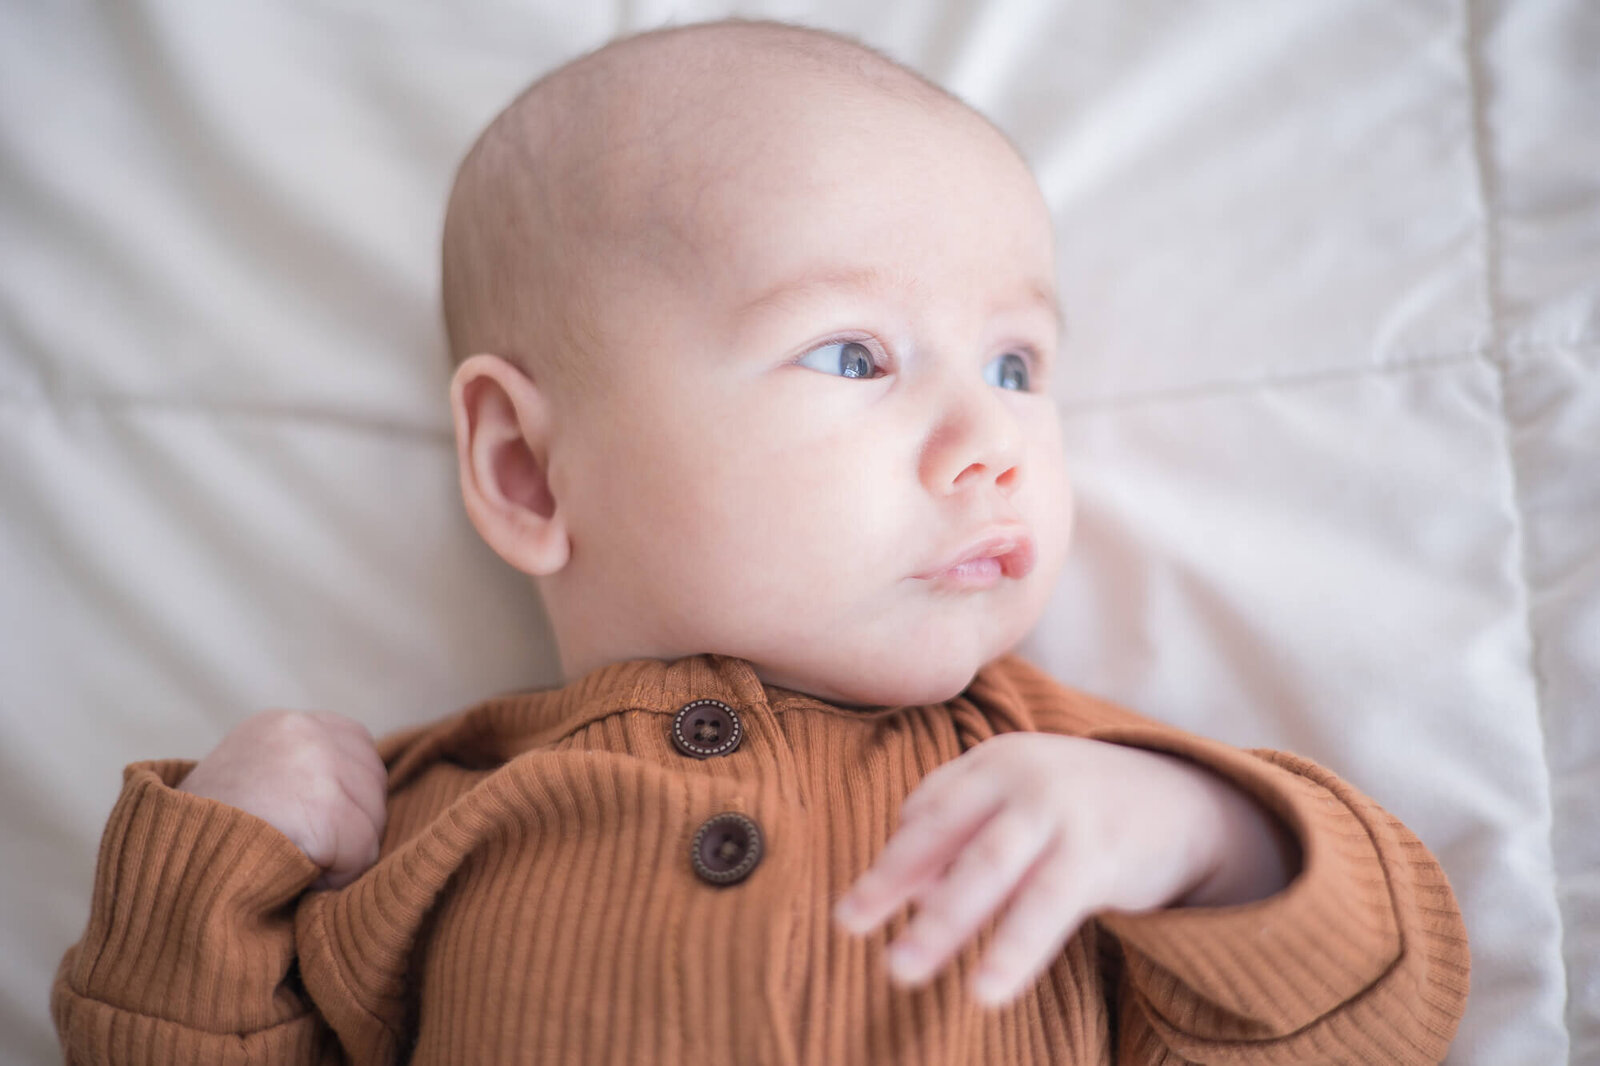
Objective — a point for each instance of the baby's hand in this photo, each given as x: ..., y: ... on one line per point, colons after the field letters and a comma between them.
x: 1058, y: 828
x: 314, y: 776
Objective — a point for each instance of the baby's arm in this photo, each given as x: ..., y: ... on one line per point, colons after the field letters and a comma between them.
x: 1063, y: 828
x: 188, y: 952
x: 1362, y: 958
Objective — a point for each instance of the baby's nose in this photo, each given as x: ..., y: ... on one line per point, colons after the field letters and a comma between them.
x: 976, y: 441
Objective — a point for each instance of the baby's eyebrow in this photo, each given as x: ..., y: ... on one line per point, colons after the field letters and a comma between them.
x: 1039, y: 293
x: 824, y: 280
x: 1045, y: 296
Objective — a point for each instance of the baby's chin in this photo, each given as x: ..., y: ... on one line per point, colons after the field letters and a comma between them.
x: 908, y: 664
x: 887, y: 684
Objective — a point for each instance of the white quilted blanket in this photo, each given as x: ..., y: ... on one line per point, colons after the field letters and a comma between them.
x: 1331, y: 389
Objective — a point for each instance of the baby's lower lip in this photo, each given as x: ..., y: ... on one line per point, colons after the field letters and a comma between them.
x: 976, y: 574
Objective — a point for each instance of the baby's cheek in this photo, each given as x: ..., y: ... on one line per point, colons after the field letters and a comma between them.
x: 1065, y: 510
x: 1045, y: 495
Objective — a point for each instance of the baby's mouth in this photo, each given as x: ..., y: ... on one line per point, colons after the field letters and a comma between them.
x: 1005, y: 552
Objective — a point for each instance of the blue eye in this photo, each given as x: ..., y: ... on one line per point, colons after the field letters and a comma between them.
x: 1012, y: 373
x: 846, y: 359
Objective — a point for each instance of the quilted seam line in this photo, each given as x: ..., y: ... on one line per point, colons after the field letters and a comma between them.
x: 1472, y: 40
x: 1300, y: 379
x: 1473, y: 23
x: 133, y: 404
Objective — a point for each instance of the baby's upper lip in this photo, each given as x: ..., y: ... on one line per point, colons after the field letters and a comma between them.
x: 1011, y: 543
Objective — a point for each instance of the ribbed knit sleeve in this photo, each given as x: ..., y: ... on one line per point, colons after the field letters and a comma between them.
x: 188, y: 951
x: 1362, y: 959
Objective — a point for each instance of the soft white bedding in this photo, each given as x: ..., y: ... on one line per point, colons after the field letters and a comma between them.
x: 1331, y: 392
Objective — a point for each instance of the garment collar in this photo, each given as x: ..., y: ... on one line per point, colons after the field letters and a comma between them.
x: 497, y: 729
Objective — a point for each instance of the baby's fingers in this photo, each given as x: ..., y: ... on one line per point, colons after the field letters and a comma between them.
x: 1048, y: 908
x: 919, y: 851
x: 950, y: 912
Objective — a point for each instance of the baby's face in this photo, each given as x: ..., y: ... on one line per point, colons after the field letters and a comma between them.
x: 828, y: 384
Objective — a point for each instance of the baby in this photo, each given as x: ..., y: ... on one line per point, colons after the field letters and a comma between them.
x: 754, y: 333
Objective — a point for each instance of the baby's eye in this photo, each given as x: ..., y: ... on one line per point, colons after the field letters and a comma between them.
x: 1012, y: 372
x: 847, y: 359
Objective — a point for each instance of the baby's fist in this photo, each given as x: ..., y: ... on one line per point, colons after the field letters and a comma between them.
x: 314, y: 776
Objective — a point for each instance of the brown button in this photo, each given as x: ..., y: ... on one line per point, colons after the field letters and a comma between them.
x: 726, y: 848
x: 705, y: 728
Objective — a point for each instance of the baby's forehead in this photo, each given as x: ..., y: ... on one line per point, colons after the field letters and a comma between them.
x: 692, y: 174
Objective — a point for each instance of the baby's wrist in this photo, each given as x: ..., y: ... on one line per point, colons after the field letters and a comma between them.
x: 1254, y: 854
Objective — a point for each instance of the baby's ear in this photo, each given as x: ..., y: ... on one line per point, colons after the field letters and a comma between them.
x: 502, y: 421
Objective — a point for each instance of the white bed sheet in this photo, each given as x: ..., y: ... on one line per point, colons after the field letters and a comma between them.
x: 1331, y: 390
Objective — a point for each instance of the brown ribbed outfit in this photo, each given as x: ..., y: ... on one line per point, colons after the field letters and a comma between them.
x: 535, y: 902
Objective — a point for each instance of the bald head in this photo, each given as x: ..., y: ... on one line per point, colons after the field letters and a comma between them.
x: 596, y: 166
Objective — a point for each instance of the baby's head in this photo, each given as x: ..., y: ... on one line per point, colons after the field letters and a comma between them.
x: 753, y: 330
